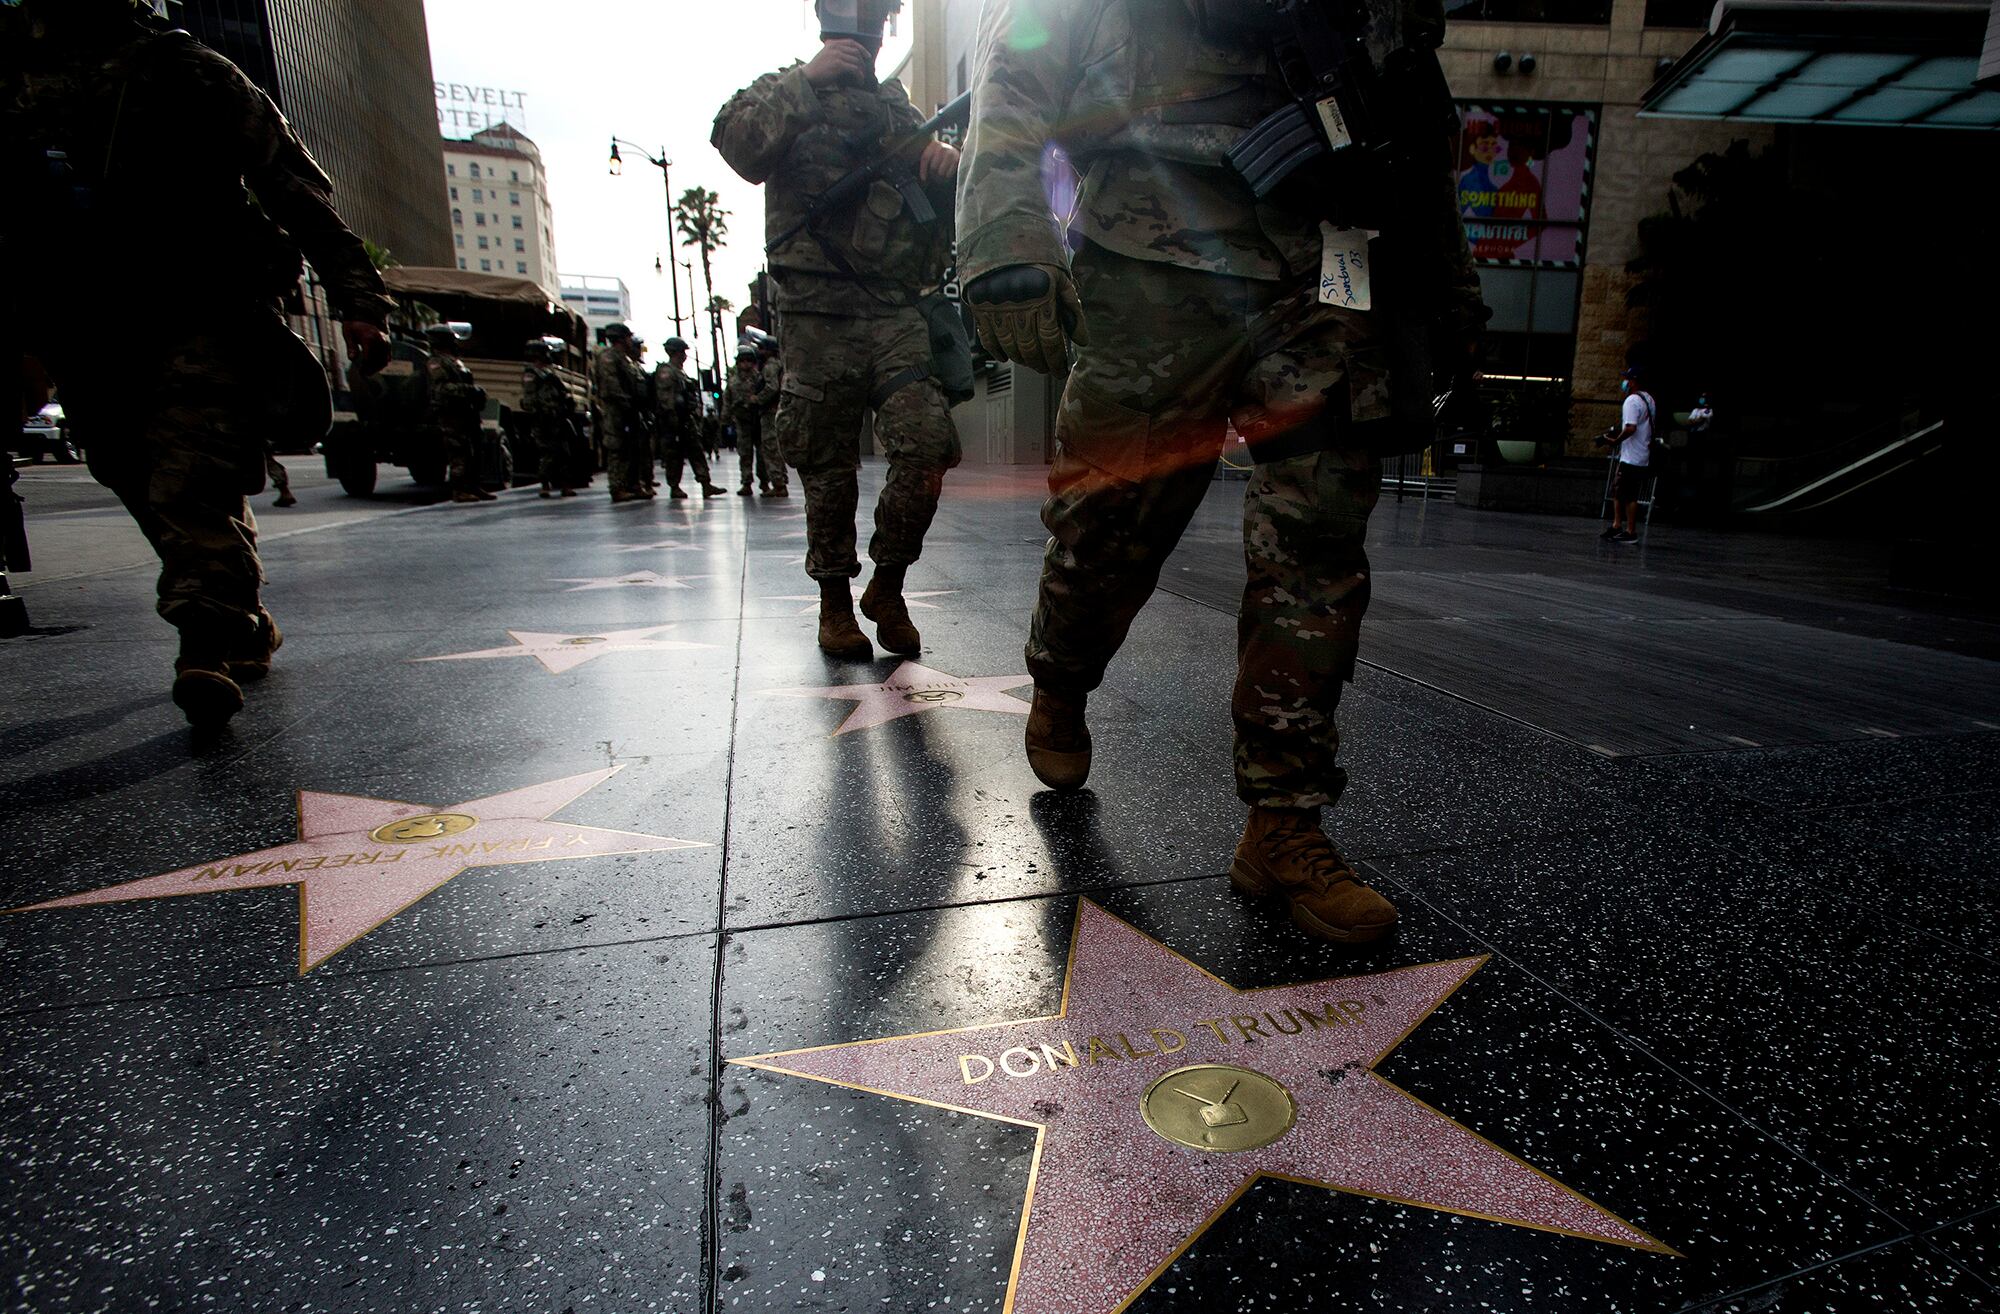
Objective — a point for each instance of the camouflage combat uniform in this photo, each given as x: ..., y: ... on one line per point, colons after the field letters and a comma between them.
x: 853, y: 339
x: 741, y: 411
x: 620, y: 428
x: 456, y: 405
x: 1201, y: 306
x: 770, y: 391
x: 679, y: 424
x: 165, y: 143
x: 545, y: 411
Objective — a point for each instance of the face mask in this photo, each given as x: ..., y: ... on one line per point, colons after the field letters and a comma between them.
x: 1625, y: 386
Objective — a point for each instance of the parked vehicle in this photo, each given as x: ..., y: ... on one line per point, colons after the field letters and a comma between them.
x: 46, y: 434
x: 390, y: 405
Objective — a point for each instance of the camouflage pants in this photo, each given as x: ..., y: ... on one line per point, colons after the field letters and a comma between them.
x: 624, y: 450
x: 750, y: 453
x: 276, y: 474
x: 770, y: 452
x: 1175, y: 356
x: 838, y: 368
x: 548, y: 439
x: 183, y: 448
x: 680, y: 449
x: 461, y: 446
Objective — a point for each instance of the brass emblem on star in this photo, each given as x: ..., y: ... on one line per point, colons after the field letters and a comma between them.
x: 933, y: 696
x: 583, y: 640
x: 437, y: 825
x: 1218, y: 1107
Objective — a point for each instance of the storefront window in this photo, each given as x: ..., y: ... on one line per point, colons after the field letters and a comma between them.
x: 1524, y: 177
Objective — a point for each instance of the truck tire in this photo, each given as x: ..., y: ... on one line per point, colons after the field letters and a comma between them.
x: 357, y: 476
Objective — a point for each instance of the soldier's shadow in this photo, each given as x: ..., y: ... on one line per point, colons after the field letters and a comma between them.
x: 1077, y: 849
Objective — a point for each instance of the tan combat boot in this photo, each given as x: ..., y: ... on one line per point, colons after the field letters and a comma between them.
x: 1284, y: 854
x: 882, y: 602
x: 202, y: 687
x: 251, y: 660
x: 1058, y: 739
x: 838, y: 634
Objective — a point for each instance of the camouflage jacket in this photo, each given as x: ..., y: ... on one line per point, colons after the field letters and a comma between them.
x: 674, y: 398
x: 1145, y: 105
x: 456, y: 400
x: 770, y: 386
x: 618, y: 386
x: 543, y: 394
x: 740, y: 401
x: 169, y: 148
x: 799, y: 141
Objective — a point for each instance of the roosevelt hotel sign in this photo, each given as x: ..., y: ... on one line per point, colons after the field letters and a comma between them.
x: 462, y: 108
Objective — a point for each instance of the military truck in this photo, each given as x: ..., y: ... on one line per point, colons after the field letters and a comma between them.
x: 390, y: 405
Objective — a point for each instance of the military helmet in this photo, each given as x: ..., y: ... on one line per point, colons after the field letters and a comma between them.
x: 447, y: 333
x: 855, y: 20
x: 744, y: 351
x: 616, y: 332
x: 675, y: 344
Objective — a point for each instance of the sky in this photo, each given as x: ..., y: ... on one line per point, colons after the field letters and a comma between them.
x: 650, y: 71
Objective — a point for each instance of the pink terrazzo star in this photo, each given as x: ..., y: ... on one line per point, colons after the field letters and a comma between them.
x: 638, y: 579
x: 1111, y: 1203
x: 565, y: 652
x: 811, y: 600
x: 358, y: 862
x: 917, y: 688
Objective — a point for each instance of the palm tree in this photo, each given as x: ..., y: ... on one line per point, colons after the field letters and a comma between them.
x: 703, y: 222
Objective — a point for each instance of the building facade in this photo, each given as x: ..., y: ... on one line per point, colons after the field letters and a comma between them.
x: 1556, y: 171
x: 600, y: 298
x: 354, y: 78
x: 497, y: 196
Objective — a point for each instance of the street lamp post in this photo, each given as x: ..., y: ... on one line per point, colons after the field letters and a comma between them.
x: 663, y: 164
x: 689, y: 266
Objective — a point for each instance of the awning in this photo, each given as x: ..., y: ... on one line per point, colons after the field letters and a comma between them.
x: 1877, y: 63
x: 412, y: 280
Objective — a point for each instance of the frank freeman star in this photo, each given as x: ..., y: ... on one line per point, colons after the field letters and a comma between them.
x: 360, y: 861
x: 1160, y: 1094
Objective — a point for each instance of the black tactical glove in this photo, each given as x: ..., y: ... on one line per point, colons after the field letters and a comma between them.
x: 1028, y: 314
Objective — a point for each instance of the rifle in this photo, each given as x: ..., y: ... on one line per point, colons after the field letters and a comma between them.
x: 1366, y: 124
x: 887, y: 166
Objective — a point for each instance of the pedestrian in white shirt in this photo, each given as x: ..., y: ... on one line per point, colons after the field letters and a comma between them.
x: 1636, y: 439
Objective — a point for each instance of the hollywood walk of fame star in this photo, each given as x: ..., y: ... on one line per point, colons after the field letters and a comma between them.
x: 638, y: 579
x: 1274, y: 1082
x: 812, y: 599
x: 563, y: 652
x: 915, y: 688
x: 358, y: 862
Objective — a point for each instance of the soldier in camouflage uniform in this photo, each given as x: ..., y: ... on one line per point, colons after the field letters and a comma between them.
x: 455, y: 406
x: 646, y: 449
x: 1193, y: 305
x: 847, y: 287
x: 770, y: 391
x: 545, y: 411
x: 119, y: 132
x: 620, y: 430
x: 677, y: 403
x: 741, y: 411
